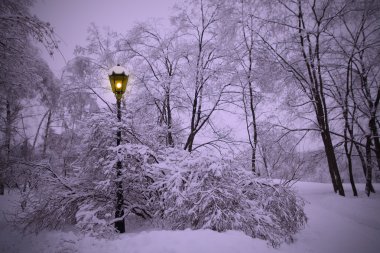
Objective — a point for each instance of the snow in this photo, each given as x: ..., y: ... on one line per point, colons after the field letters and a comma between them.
x: 336, y: 224
x: 117, y: 70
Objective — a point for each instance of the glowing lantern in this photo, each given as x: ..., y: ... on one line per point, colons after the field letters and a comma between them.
x: 118, y: 80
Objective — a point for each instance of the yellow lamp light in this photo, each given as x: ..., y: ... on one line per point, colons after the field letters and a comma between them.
x: 118, y: 80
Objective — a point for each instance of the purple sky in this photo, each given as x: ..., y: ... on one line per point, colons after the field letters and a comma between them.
x: 71, y: 18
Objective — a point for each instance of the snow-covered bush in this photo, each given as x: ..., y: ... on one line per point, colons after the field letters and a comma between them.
x: 274, y: 209
x: 86, y: 196
x: 205, y: 192
x: 51, y: 203
x: 182, y: 189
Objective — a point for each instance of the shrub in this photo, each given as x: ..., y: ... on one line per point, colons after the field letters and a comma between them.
x: 184, y: 190
x: 205, y: 192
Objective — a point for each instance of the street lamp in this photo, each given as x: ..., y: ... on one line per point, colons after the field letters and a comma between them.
x: 118, y: 80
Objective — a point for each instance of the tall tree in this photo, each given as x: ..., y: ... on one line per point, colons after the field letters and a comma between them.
x: 205, y: 76
x: 304, y: 26
x: 354, y: 74
x: 20, y: 75
x: 157, y: 57
x: 251, y: 71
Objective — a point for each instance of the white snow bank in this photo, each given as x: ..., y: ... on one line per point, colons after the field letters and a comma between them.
x: 186, y: 241
x: 336, y: 224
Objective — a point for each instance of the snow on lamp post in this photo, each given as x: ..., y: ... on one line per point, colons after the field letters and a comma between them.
x: 119, y: 79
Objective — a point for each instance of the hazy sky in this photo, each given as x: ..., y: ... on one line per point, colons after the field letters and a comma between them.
x: 71, y: 18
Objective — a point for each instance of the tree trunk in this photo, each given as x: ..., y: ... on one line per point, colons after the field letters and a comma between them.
x: 189, y: 142
x: 46, y: 134
x: 170, y: 141
x: 327, y: 142
x: 8, y: 125
x: 194, y: 121
x: 195, y: 116
x: 331, y: 161
x: 348, y: 152
x: 38, y: 130
x: 375, y: 134
x: 253, y: 163
x: 7, y: 144
x: 248, y: 41
x: 254, y: 130
x: 372, y: 105
x: 1, y: 185
x: 368, y: 186
x: 347, y: 127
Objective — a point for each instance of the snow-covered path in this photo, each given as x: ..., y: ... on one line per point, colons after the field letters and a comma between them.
x: 338, y: 224
x: 335, y: 224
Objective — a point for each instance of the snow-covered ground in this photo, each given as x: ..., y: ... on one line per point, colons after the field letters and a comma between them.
x: 335, y: 224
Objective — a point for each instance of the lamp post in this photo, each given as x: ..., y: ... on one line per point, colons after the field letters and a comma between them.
x: 118, y: 80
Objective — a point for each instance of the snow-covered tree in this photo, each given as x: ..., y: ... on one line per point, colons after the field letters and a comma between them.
x: 23, y: 73
x: 156, y: 58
